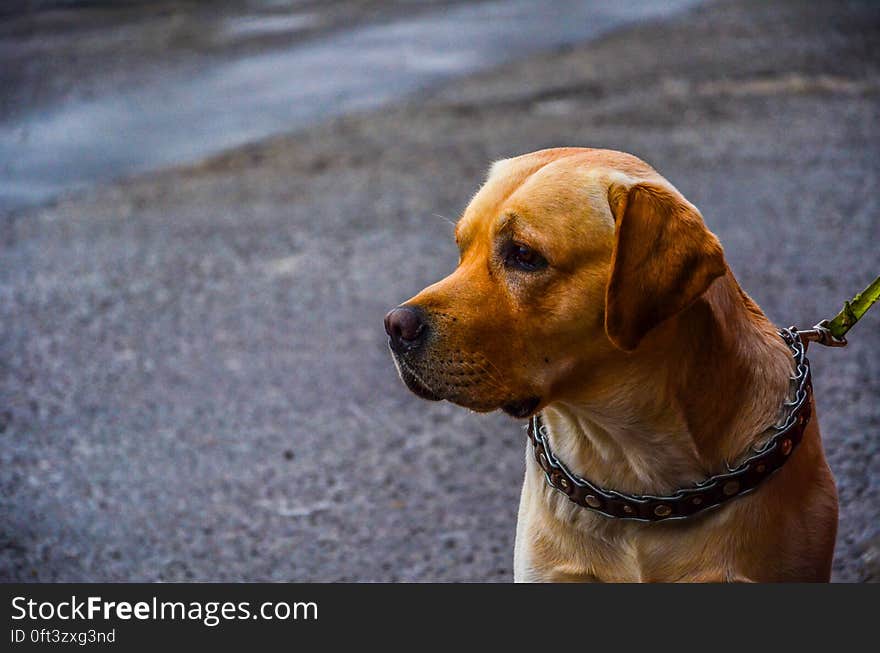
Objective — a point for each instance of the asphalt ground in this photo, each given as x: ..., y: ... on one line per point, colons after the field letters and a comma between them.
x: 193, y: 372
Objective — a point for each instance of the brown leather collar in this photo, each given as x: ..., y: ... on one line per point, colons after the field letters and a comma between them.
x: 709, y: 493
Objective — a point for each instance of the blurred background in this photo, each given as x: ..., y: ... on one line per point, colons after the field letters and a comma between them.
x: 206, y: 208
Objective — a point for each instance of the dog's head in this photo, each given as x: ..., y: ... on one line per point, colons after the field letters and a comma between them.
x: 569, y: 258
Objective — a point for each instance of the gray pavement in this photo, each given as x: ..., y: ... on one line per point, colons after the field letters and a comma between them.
x: 194, y: 382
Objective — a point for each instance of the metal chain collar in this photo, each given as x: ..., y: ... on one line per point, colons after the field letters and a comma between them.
x: 764, y: 460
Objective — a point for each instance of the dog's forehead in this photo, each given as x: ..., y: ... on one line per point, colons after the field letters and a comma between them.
x: 563, y: 191
x: 566, y: 182
x: 504, y: 178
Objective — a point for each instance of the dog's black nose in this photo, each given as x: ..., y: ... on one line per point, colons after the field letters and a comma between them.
x: 406, y: 326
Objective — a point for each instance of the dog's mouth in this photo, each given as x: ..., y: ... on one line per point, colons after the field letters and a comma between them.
x: 416, y: 383
x: 413, y: 382
x: 522, y: 408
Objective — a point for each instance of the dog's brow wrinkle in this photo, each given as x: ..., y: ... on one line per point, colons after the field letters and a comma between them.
x: 504, y: 220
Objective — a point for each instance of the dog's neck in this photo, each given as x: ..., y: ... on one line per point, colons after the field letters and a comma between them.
x: 697, y: 392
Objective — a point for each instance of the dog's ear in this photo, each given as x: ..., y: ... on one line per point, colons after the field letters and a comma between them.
x: 664, y: 258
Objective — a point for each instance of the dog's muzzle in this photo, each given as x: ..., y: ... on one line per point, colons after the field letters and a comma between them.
x: 407, y: 329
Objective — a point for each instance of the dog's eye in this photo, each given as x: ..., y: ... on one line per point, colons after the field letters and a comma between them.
x: 524, y: 258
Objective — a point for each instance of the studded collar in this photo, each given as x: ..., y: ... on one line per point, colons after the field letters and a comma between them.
x: 710, y: 493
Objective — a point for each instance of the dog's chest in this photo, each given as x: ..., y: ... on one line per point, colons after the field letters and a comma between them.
x: 562, y: 541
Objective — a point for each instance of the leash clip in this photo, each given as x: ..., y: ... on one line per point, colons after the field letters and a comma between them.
x: 822, y: 335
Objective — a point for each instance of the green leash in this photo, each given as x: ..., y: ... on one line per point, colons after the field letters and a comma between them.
x: 831, y: 334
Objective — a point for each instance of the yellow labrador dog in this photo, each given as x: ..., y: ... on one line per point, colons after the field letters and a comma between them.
x: 590, y: 293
